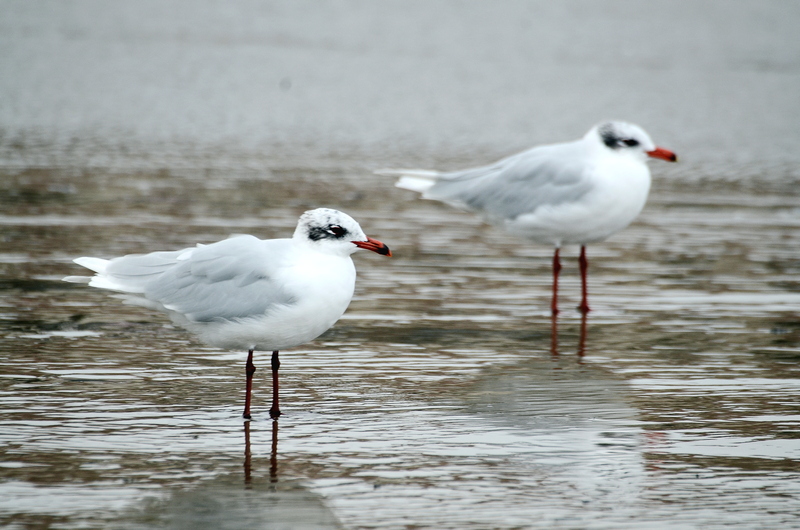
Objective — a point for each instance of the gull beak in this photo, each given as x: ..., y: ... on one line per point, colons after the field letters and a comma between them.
x: 663, y: 154
x: 374, y: 245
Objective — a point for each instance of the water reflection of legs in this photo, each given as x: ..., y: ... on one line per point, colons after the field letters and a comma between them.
x: 554, y: 336
x: 247, y: 478
x: 582, y: 338
x: 273, y: 459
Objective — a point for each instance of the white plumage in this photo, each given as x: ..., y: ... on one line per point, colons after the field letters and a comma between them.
x: 243, y: 292
x: 569, y: 193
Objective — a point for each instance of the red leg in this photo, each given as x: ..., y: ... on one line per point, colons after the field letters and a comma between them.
x: 275, y: 410
x: 584, y: 263
x: 249, y: 370
x: 556, y: 270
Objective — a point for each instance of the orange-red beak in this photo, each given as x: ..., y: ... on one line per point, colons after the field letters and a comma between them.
x: 663, y: 154
x: 374, y: 245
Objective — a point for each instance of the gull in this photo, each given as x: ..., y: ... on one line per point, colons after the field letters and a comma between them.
x: 245, y: 293
x: 576, y: 192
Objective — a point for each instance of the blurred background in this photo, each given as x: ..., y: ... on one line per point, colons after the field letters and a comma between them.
x: 211, y: 84
x: 446, y: 397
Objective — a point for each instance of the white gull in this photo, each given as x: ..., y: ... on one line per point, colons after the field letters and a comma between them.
x: 577, y: 192
x: 245, y: 293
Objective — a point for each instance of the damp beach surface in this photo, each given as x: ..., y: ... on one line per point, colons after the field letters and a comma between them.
x: 446, y: 397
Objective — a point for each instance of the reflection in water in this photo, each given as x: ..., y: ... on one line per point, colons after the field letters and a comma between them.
x: 222, y: 502
x: 440, y: 382
x: 582, y: 338
x: 273, y: 459
x: 247, y: 455
x: 581, y: 351
x: 572, y: 425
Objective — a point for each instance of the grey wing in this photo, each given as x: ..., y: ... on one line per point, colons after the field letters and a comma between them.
x: 546, y: 175
x: 227, y: 280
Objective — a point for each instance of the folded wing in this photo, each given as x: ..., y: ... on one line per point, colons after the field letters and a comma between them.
x: 228, y: 280
x: 545, y: 176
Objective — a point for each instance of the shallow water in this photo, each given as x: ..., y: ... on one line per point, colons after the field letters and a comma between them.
x: 441, y: 399
x: 446, y: 397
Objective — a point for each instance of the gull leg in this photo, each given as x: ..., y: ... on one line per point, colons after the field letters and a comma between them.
x: 249, y: 370
x: 556, y: 270
x: 584, y: 263
x: 275, y: 410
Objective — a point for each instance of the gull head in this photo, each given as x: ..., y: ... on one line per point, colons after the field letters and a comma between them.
x: 335, y: 232
x: 628, y: 139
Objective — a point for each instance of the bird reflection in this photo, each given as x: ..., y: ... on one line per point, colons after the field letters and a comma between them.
x: 554, y: 336
x: 273, y: 459
x: 247, y: 466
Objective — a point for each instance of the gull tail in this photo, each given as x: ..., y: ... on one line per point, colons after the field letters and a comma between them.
x: 94, y: 264
x: 77, y: 279
x: 419, y: 180
x: 100, y: 280
x: 128, y: 274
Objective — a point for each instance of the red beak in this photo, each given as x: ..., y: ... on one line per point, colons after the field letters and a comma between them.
x: 374, y: 245
x: 663, y: 154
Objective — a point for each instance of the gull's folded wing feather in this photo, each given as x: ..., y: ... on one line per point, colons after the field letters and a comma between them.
x: 545, y: 175
x: 228, y: 280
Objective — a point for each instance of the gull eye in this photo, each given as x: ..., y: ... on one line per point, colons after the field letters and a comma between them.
x: 630, y: 142
x: 336, y: 230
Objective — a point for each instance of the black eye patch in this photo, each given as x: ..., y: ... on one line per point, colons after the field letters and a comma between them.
x: 337, y: 230
x: 315, y: 233
x: 630, y: 142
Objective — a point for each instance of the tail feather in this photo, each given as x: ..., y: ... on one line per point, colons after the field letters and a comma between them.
x: 93, y: 264
x: 108, y: 282
x: 77, y: 279
x: 100, y: 280
x: 131, y: 273
x: 419, y: 180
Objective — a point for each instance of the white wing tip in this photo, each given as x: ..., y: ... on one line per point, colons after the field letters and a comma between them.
x: 100, y: 280
x: 425, y: 173
x: 76, y: 279
x: 418, y: 180
x: 418, y: 184
x: 103, y: 282
x: 94, y: 264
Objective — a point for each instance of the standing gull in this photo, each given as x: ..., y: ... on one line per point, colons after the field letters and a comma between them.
x: 577, y: 192
x: 245, y: 293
